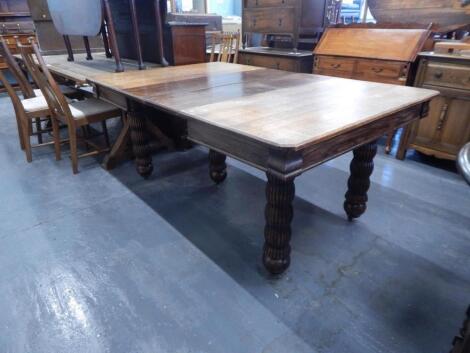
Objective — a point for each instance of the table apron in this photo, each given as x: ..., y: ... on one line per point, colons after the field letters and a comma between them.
x: 325, y: 150
x: 264, y: 157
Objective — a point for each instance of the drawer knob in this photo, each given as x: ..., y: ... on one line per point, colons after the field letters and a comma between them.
x: 438, y: 74
x: 280, y: 22
x: 377, y: 70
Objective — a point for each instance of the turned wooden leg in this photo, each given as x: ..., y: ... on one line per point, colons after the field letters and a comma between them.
x: 112, y: 37
x: 140, y: 145
x: 217, y: 166
x: 361, y: 168
x: 277, y: 232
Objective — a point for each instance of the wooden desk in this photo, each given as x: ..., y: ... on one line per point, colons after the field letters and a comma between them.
x: 282, y: 123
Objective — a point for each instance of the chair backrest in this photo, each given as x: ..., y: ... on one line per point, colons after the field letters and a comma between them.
x: 50, y: 89
x: 16, y: 101
x: 25, y: 85
x: 229, y: 44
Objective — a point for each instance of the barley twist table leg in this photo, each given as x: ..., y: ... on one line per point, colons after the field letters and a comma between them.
x: 361, y: 168
x: 140, y: 145
x: 277, y: 232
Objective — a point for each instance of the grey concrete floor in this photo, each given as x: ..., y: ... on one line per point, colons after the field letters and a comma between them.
x: 108, y: 262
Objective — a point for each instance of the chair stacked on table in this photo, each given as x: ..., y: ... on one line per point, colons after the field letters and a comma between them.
x: 45, y: 109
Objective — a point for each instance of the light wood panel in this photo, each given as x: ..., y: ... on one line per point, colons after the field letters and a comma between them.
x: 375, y: 43
x: 277, y: 108
x: 446, y: 15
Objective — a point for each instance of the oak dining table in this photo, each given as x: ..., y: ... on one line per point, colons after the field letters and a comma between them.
x: 279, y: 122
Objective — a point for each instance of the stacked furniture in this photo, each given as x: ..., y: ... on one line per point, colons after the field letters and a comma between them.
x: 371, y: 53
x: 51, y: 41
x: 286, y: 25
x: 15, y: 25
x: 212, y: 23
x: 447, y: 128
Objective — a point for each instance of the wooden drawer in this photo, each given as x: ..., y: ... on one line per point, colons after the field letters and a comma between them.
x: 334, y: 66
x: 269, y: 62
x: 381, y: 71
x: 269, y: 20
x: 447, y: 75
x: 269, y: 3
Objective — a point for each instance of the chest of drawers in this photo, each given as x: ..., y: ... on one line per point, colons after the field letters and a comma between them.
x: 447, y: 127
x: 296, y: 21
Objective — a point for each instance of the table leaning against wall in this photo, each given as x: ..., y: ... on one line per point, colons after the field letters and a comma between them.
x: 282, y: 123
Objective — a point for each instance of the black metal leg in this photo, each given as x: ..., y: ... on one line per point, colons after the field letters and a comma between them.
x: 87, y: 48
x: 68, y: 46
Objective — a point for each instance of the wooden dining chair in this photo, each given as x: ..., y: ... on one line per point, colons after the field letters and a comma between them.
x: 40, y: 125
x: 26, y: 111
x: 228, y: 44
x: 77, y: 114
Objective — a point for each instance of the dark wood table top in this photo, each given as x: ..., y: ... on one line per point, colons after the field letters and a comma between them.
x: 278, y: 108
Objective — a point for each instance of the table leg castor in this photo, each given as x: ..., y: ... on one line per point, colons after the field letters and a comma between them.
x: 217, y: 166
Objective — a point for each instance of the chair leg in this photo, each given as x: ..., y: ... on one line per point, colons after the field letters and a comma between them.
x: 73, y: 148
x: 26, y: 141
x: 37, y: 123
x: 56, y: 136
x: 104, y: 34
x: 389, y: 142
x: 20, y: 132
x: 105, y: 133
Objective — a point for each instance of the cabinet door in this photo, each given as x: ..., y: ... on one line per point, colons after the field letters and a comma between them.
x: 456, y: 127
x: 446, y: 129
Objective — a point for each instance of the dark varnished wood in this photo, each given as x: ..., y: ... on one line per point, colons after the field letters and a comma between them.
x: 277, y: 231
x: 279, y: 122
x: 108, y: 17
x: 361, y: 169
x: 217, y: 166
x: 185, y: 43
x: 140, y: 143
x: 136, y: 34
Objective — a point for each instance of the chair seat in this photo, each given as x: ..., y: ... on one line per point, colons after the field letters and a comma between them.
x: 35, y: 105
x: 92, y: 110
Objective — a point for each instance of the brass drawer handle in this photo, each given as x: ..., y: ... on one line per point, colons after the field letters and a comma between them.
x: 335, y: 66
x: 377, y: 70
x: 438, y: 74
